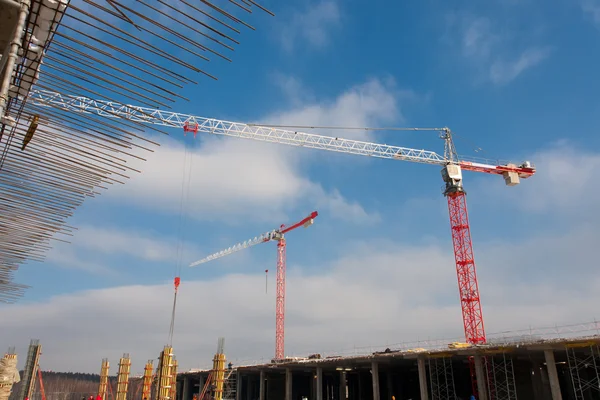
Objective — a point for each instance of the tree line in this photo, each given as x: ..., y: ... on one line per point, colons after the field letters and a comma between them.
x: 75, y: 386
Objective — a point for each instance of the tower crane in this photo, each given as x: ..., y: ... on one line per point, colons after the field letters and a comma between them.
x: 279, y: 236
x: 452, y: 168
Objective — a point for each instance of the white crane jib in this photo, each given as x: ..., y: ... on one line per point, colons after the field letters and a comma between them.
x: 265, y: 237
x: 195, y: 124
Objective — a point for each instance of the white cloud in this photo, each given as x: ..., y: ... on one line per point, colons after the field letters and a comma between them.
x: 592, y: 7
x: 502, y: 72
x: 564, y: 183
x: 293, y: 89
x: 234, y: 178
x: 125, y: 241
x: 64, y: 256
x: 376, y: 284
x: 311, y: 25
x: 531, y: 281
x: 92, y: 245
x: 372, y: 103
x: 492, y: 50
x: 230, y: 179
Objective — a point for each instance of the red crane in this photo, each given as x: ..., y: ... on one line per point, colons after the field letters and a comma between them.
x: 452, y: 167
x: 279, y: 236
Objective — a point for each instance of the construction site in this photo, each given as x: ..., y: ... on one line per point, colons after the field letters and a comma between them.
x: 84, y: 86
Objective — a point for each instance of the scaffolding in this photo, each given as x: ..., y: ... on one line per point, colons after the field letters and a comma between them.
x: 123, y: 377
x: 30, y: 370
x: 501, y: 377
x: 584, y: 368
x: 441, y: 378
x: 102, y: 388
x: 230, y: 385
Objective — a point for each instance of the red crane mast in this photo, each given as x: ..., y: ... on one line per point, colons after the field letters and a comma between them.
x: 279, y: 236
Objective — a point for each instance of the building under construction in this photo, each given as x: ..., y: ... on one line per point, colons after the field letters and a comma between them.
x: 68, y: 72
x: 555, y: 369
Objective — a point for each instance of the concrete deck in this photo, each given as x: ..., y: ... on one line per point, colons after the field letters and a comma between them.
x: 515, y: 370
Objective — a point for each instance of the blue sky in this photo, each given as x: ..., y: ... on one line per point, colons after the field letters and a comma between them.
x: 514, y: 78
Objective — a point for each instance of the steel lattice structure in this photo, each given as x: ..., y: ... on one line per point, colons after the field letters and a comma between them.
x: 465, y: 267
x: 441, y: 379
x: 584, y: 368
x: 280, y: 301
x: 120, y: 50
x: 501, y: 375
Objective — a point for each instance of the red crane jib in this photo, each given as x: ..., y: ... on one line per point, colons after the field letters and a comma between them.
x: 312, y: 215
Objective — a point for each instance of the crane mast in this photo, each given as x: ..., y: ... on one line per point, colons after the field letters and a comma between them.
x: 277, y: 235
x: 452, y: 167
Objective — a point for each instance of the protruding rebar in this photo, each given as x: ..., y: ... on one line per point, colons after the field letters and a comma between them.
x: 51, y: 159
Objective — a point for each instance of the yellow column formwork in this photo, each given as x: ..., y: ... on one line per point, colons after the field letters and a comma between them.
x: 147, y: 382
x: 164, y: 374
x: 173, y: 394
x: 123, y: 377
x: 219, y: 374
x: 156, y: 378
x: 102, y: 388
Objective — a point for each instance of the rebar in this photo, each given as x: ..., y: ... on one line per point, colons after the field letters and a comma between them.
x: 51, y: 160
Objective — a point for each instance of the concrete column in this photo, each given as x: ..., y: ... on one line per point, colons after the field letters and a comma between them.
x: 481, y: 378
x: 375, y: 379
x: 390, y: 384
x: 422, y: 378
x: 250, y: 389
x: 536, y: 380
x: 342, y: 385
x: 238, y: 388
x: 319, y: 383
x: 261, y: 387
x: 185, y: 394
x: 552, y: 375
x: 288, y: 384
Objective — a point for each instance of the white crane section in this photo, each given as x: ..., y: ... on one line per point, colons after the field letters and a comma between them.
x: 265, y: 237
x: 191, y: 123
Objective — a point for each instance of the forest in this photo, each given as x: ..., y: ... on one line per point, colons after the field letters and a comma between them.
x: 75, y: 386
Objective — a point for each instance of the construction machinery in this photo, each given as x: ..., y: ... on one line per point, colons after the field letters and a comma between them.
x: 451, y: 165
x: 277, y: 235
x: 452, y: 168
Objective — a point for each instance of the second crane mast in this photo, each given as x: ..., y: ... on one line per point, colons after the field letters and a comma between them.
x: 279, y: 236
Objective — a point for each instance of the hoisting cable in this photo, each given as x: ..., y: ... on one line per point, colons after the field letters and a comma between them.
x: 357, y: 128
x: 179, y: 253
